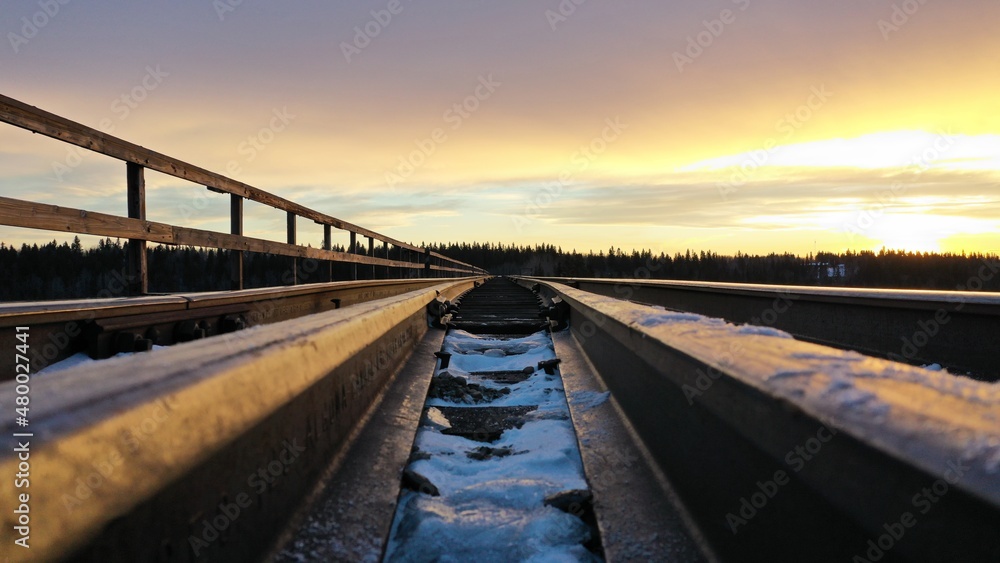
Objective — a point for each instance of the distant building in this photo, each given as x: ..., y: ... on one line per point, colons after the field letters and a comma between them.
x: 827, y: 270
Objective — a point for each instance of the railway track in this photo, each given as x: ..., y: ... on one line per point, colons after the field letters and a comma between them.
x: 627, y: 433
x: 495, y: 471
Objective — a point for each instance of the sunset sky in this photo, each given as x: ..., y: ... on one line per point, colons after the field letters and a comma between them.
x: 751, y: 125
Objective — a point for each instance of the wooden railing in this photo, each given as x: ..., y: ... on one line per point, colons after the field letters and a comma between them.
x: 139, y: 231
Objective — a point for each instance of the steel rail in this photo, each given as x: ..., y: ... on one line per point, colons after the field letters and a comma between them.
x: 103, y: 327
x: 959, y: 330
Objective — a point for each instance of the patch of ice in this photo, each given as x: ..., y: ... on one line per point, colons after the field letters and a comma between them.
x: 762, y: 331
x: 431, y: 529
x: 471, y: 353
x: 654, y: 318
x: 838, y: 385
x: 790, y: 374
x: 437, y: 420
x: 833, y: 356
x: 854, y: 397
x: 80, y: 359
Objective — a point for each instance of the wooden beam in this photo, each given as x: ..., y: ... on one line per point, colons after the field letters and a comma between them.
x: 138, y: 270
x: 453, y: 262
x: 19, y: 213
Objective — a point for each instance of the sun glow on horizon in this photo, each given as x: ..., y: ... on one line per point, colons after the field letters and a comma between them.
x: 908, y: 150
x: 907, y: 232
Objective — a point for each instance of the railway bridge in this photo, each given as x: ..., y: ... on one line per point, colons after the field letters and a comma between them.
x: 423, y: 409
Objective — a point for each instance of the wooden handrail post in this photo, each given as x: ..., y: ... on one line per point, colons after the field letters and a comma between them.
x: 236, y: 228
x: 291, y: 240
x: 138, y: 272
x: 354, y: 250
x: 328, y: 245
x: 371, y: 253
x: 385, y: 245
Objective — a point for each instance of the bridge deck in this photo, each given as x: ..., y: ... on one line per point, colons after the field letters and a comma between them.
x: 697, y: 439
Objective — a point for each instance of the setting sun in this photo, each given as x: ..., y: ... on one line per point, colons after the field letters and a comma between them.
x: 907, y: 232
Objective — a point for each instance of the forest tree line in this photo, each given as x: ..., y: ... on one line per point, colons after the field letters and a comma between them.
x: 69, y: 271
x: 882, y: 269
